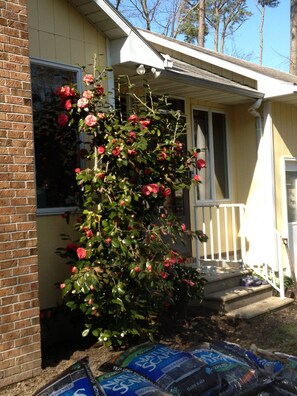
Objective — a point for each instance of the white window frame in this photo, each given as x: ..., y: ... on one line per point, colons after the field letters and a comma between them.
x: 213, y: 200
x: 78, y: 71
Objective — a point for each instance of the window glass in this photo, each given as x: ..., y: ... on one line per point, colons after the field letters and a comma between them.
x: 56, y: 147
x: 210, y: 136
x: 220, y: 155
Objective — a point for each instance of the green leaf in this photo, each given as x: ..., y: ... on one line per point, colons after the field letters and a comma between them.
x: 85, y: 332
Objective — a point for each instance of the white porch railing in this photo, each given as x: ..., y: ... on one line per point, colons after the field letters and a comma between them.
x: 222, y: 223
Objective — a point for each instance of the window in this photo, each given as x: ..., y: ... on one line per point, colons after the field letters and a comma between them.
x: 56, y: 148
x: 210, y: 135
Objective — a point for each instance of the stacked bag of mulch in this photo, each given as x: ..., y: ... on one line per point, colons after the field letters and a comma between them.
x: 218, y: 368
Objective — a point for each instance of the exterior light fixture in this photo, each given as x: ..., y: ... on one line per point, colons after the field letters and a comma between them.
x: 155, y: 72
x: 140, y: 70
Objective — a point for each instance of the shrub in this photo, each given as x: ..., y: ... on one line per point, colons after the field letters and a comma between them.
x: 124, y: 272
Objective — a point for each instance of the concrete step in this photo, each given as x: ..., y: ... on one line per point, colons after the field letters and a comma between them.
x: 236, y: 297
x: 223, y: 278
x: 260, y: 308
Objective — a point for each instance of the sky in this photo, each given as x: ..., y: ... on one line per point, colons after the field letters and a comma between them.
x: 276, y: 50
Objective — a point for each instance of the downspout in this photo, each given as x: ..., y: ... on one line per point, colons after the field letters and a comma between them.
x: 253, y: 111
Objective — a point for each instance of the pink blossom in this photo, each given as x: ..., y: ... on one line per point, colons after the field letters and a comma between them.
x: 63, y: 119
x: 200, y: 163
x: 179, y: 146
x: 82, y: 103
x: 137, y: 268
x: 81, y: 253
x: 183, y: 227
x: 101, y: 116
x: 100, y: 175
x: 149, y: 189
x: 88, y: 79
x: 145, y: 123
x: 62, y: 286
x: 101, y: 150
x: 68, y: 104
x: 90, y: 120
x: 189, y: 282
x: 131, y: 151
x: 133, y: 118
x: 116, y: 151
x: 164, y: 274
x: 149, y: 267
x: 99, y: 90
x: 166, y: 192
x: 89, y: 234
x: 197, y: 178
x: 65, y: 91
x: 88, y: 94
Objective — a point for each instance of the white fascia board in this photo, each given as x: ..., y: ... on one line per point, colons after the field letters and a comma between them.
x: 114, y: 16
x: 134, y: 49
x: 268, y: 85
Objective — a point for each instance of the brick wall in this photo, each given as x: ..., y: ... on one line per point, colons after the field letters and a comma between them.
x: 20, y: 355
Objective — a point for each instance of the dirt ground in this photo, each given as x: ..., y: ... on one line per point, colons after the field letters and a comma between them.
x: 275, y: 331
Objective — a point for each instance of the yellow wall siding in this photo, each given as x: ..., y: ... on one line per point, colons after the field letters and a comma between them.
x: 52, y: 268
x: 57, y: 32
x: 243, y: 147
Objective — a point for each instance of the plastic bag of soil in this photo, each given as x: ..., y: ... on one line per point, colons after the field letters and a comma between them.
x: 237, y: 377
x: 266, y: 368
x: 128, y: 383
x: 285, y: 380
x: 77, y: 380
x: 174, y: 371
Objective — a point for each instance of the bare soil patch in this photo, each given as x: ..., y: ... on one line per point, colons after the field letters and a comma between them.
x: 275, y: 331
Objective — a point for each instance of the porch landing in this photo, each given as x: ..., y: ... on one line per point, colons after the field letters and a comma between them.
x: 224, y: 294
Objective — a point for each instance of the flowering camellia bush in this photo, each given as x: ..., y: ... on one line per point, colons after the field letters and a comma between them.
x: 124, y: 272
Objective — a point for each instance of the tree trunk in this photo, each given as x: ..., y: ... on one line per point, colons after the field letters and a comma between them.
x: 217, y: 30
x: 261, y: 33
x: 293, y: 42
x: 201, y: 30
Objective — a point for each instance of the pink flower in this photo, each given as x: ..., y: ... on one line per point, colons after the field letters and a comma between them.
x: 137, y: 268
x: 108, y: 240
x: 145, y: 123
x: 133, y: 118
x: 163, y: 156
x: 101, y: 116
x: 179, y: 146
x: 88, y: 94
x: 200, y: 163
x: 81, y: 253
x: 149, y: 189
x: 73, y: 269
x: 63, y: 119
x: 88, y: 79
x: 82, y: 103
x: 89, y: 234
x: 166, y: 192
x: 184, y: 227
x: 65, y: 91
x: 131, y: 151
x: 101, y: 150
x: 164, y: 274
x: 71, y: 246
x: 68, y: 104
x: 116, y: 151
x: 62, y: 286
x: 132, y: 136
x: 189, y: 282
x: 90, y: 120
x: 99, y: 90
x: 77, y: 170
x: 149, y: 267
x: 100, y: 175
x: 197, y: 178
